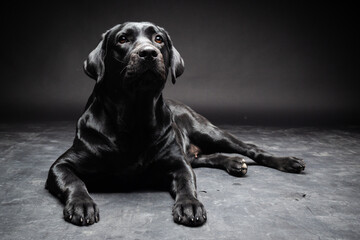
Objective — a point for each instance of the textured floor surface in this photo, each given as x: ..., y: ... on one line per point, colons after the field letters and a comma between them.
x: 322, y: 203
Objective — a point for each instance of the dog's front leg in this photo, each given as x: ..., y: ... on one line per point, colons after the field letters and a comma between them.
x: 187, y: 210
x: 80, y: 209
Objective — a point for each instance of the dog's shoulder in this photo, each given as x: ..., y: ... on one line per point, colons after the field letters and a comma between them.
x: 94, y: 128
x: 177, y: 108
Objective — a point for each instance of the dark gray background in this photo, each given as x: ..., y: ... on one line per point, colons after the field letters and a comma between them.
x: 246, y: 63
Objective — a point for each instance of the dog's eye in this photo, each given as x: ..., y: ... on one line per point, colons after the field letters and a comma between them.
x: 159, y: 39
x: 123, y: 39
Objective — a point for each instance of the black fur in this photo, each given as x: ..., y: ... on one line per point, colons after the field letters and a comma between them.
x: 129, y: 136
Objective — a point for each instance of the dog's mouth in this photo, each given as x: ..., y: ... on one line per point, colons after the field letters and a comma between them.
x: 138, y: 70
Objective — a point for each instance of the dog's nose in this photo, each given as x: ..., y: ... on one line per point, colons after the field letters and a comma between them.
x: 148, y: 53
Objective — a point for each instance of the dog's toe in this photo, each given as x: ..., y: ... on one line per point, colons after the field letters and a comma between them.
x: 236, y: 166
x: 81, y: 212
x: 292, y: 165
x: 189, y: 212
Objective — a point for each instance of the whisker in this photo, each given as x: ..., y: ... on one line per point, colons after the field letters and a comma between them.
x: 119, y: 60
x: 123, y: 69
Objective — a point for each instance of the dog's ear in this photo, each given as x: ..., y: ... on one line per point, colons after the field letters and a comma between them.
x: 177, y: 65
x: 94, y: 65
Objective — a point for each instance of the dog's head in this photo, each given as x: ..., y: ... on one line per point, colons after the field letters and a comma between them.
x: 135, y: 56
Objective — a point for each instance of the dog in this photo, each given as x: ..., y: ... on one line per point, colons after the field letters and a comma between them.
x: 129, y: 136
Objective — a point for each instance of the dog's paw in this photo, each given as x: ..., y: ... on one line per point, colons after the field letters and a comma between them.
x: 189, y: 212
x: 292, y: 165
x: 236, y: 166
x: 81, y: 211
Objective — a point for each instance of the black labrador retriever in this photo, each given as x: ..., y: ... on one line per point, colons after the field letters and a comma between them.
x: 129, y: 136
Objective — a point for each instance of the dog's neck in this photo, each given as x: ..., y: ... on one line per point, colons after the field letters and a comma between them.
x: 146, y: 109
x: 140, y: 111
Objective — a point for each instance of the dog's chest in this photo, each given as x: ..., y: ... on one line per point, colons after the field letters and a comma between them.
x: 130, y: 157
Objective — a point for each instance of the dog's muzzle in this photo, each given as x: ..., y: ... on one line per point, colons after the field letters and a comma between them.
x: 146, y: 58
x: 146, y: 68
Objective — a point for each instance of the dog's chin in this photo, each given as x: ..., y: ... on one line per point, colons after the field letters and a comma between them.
x: 145, y: 80
x: 151, y: 80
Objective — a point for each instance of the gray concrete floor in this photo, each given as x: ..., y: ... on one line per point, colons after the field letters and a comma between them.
x: 322, y: 203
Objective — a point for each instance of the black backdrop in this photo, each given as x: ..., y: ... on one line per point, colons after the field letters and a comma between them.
x: 275, y: 62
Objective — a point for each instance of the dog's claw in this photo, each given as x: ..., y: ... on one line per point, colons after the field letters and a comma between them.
x: 189, y: 212
x: 236, y: 167
x: 292, y: 164
x: 81, y: 212
x: 244, y: 168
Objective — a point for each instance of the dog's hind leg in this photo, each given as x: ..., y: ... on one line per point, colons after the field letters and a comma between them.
x: 211, y: 139
x: 233, y: 164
